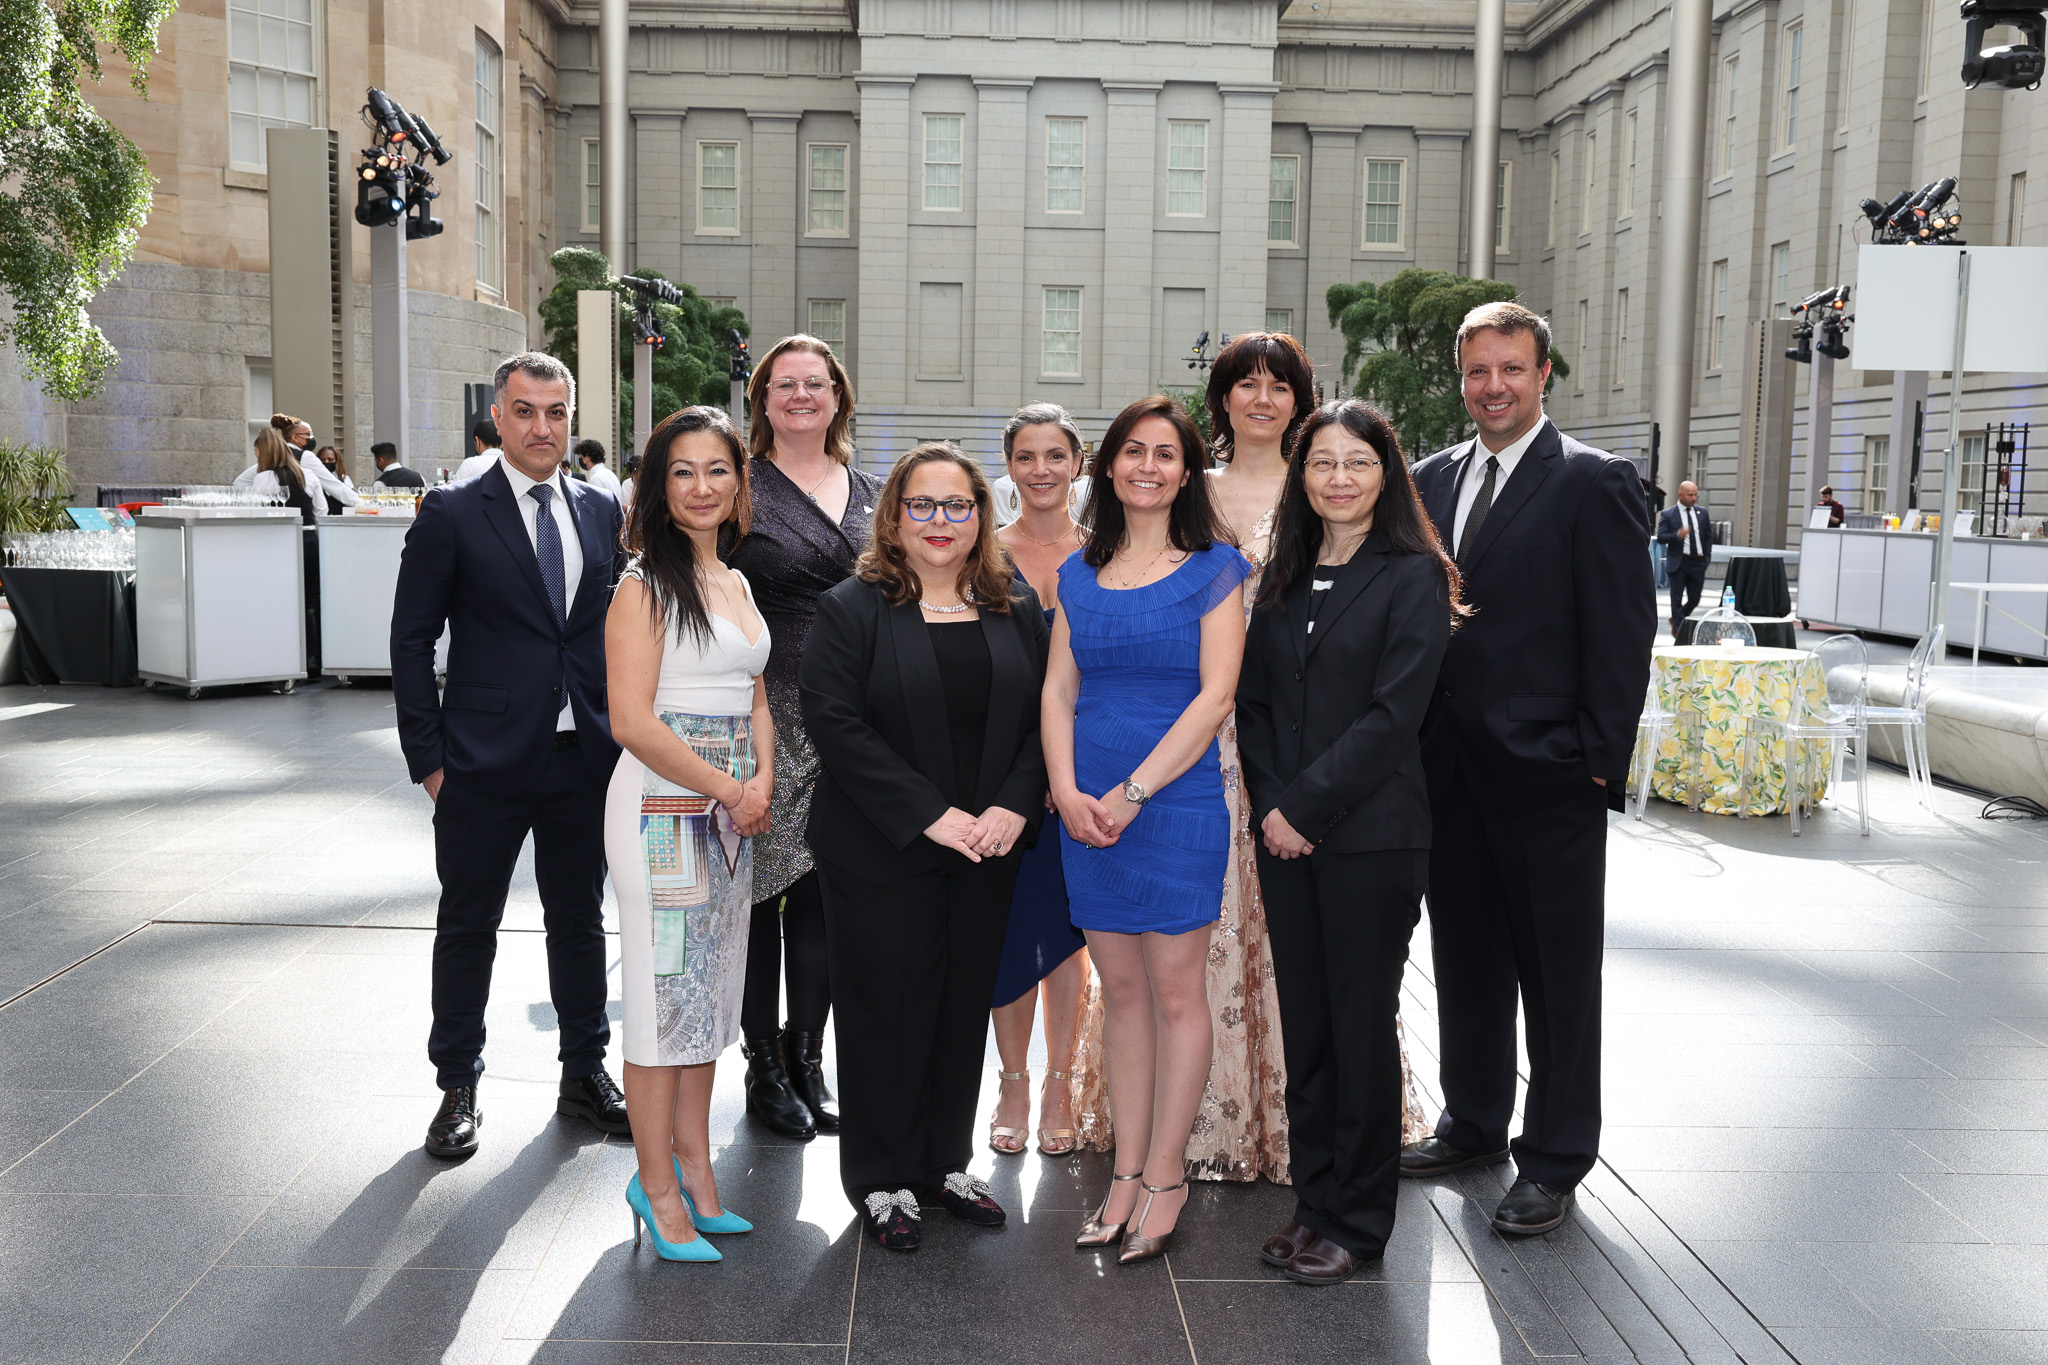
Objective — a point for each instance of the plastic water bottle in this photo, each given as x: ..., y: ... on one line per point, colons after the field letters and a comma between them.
x: 1728, y: 599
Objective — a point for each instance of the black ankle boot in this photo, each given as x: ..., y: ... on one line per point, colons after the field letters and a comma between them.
x: 806, y: 1052
x: 769, y: 1097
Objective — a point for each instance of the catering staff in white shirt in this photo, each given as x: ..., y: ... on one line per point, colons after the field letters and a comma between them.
x: 590, y: 459
x: 320, y: 480
x: 484, y: 438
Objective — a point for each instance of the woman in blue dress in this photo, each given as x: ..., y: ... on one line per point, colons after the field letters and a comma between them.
x: 1144, y: 665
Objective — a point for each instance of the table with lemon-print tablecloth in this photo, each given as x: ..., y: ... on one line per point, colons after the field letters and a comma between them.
x: 1726, y: 689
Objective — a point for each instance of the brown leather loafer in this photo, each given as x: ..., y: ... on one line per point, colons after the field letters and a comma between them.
x: 1322, y: 1261
x: 1282, y: 1246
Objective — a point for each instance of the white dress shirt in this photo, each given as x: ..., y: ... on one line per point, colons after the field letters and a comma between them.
x: 477, y: 464
x: 1689, y: 517
x: 572, y: 548
x: 601, y: 476
x: 320, y: 481
x: 1475, y: 475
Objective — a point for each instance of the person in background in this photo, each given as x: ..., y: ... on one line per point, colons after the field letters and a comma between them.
x: 1836, y: 512
x: 483, y: 437
x: 1686, y: 531
x: 329, y: 492
x: 1340, y: 661
x: 1043, y: 954
x: 517, y: 565
x: 391, y: 471
x: 1526, y: 748
x: 590, y: 459
x: 626, y: 484
x: 813, y: 512
x: 278, y: 471
x: 920, y: 685
x: 684, y: 650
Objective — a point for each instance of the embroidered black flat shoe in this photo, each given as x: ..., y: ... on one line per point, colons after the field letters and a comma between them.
x: 971, y: 1201
x: 892, y: 1218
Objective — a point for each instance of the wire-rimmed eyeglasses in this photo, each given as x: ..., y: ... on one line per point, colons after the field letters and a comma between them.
x: 1322, y: 466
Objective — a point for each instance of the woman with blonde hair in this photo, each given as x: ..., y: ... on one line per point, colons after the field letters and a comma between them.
x: 921, y: 695
x: 812, y: 515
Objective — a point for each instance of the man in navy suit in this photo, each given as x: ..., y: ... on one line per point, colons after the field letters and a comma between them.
x: 519, y: 565
x: 1525, y: 748
x: 1687, y: 534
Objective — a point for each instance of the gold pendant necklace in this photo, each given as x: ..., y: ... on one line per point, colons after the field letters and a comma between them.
x: 1132, y: 582
x: 1072, y: 528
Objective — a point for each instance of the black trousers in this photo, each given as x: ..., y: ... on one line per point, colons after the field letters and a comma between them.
x: 786, y: 941
x: 1688, y: 580
x: 913, y: 969
x: 1339, y: 926
x: 1517, y: 905
x: 477, y: 838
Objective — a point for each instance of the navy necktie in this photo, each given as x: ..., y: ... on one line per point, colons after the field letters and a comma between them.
x: 547, y: 548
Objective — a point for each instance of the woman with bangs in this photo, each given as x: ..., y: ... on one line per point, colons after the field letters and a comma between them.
x: 920, y: 691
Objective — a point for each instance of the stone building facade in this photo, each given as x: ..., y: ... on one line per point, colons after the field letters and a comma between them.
x: 990, y: 201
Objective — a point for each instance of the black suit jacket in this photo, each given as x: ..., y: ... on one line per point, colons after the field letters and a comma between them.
x: 469, y: 565
x: 1674, y: 544
x: 1543, y: 684
x: 875, y: 709
x: 1329, y: 724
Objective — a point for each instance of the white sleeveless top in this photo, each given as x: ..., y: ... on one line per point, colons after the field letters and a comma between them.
x: 713, y: 677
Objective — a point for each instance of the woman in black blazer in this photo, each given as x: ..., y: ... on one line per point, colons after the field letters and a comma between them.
x: 1341, y: 658
x: 920, y: 692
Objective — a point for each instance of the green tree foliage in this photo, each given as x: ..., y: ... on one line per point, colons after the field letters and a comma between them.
x: 76, y: 191
x: 1196, y: 404
x: 1400, y: 350
x: 692, y: 366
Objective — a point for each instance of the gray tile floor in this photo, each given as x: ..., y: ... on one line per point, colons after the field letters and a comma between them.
x: 1827, y: 1139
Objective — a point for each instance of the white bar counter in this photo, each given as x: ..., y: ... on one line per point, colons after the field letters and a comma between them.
x: 1882, y: 581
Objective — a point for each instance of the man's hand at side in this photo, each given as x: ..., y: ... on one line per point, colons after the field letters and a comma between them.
x: 432, y: 782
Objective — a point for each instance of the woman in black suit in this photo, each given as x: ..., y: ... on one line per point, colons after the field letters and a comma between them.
x: 1341, y: 658
x: 920, y: 690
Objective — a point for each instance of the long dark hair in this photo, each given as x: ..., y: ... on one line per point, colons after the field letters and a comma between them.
x: 1192, y: 524
x: 986, y: 576
x: 1279, y: 355
x: 663, y: 552
x: 1399, y: 516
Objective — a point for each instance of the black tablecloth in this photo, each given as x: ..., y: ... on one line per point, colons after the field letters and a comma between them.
x: 1760, y: 587
x: 75, y: 625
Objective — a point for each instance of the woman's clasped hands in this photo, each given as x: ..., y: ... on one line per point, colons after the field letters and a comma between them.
x: 748, y: 807
x: 991, y: 835
x: 1095, y: 821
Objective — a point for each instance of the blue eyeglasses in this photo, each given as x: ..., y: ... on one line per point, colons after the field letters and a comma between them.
x: 924, y: 509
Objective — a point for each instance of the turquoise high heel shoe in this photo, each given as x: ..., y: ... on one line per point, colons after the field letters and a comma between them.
x: 696, y: 1249
x: 725, y: 1222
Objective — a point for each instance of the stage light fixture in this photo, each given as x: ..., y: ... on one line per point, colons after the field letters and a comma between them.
x: 2012, y: 66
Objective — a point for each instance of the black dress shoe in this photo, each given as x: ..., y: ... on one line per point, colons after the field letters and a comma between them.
x: 891, y: 1218
x: 1434, y: 1156
x: 1530, y: 1209
x: 1281, y: 1247
x: 971, y: 1201
x: 805, y: 1053
x: 1322, y: 1261
x: 596, y: 1099
x: 453, y: 1131
x: 769, y: 1097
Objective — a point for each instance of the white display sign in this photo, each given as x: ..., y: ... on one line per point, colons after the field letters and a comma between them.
x: 1905, y: 307
x: 1817, y: 519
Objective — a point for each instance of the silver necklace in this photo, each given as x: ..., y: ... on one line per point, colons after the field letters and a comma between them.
x: 955, y: 610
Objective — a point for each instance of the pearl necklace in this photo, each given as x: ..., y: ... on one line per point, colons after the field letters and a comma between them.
x: 954, y: 610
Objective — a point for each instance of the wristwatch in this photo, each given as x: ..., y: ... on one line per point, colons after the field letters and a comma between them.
x: 1135, y: 793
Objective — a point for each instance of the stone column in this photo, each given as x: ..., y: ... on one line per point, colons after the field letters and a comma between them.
x: 772, y: 225
x: 658, y: 203
x: 1332, y: 226
x: 1439, y: 197
x: 999, y: 201
x: 884, y: 237
x: 1129, y: 200
x: 1247, y: 155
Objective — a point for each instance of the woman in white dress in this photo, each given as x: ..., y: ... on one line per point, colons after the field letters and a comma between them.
x: 685, y: 648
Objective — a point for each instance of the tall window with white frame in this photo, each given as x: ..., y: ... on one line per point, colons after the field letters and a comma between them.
x: 1580, y: 348
x: 2016, y: 211
x: 827, y: 322
x: 490, y: 166
x: 1066, y: 165
x: 718, y: 188
x: 1970, y: 474
x: 1503, y: 181
x: 1187, y: 168
x: 1724, y: 134
x: 944, y: 161
x: 1281, y: 188
x: 1383, y: 179
x: 825, y: 188
x: 1877, y: 472
x: 273, y: 74
x: 1792, y: 48
x: 1280, y: 320
x: 1781, y: 280
x: 593, y: 204
x: 1620, y: 374
x: 1717, y: 315
x: 1059, y: 348
x: 1591, y: 181
x: 1550, y: 218
x: 1632, y: 132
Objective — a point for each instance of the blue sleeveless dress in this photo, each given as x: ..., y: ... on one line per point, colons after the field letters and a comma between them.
x: 1139, y: 654
x: 1040, y: 936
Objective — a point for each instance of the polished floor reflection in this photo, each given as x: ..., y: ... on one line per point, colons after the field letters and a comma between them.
x: 1827, y: 1141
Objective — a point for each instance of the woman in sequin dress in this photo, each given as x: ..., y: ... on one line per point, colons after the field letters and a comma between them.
x: 812, y: 516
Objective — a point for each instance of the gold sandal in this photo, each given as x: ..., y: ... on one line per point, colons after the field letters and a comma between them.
x: 1016, y: 1135
x: 1070, y: 1136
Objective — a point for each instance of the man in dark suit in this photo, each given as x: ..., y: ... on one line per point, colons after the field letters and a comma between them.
x: 1686, y: 532
x: 518, y: 564
x: 1526, y: 748
x: 391, y: 471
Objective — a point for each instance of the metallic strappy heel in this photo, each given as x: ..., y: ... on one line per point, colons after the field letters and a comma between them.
x: 1137, y: 1246
x: 1095, y: 1232
x: 1016, y: 1135
x: 1046, y: 1136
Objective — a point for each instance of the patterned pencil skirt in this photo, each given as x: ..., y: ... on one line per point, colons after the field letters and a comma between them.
x: 684, y: 881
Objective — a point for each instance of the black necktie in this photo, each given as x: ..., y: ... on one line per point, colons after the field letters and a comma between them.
x: 1481, y: 505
